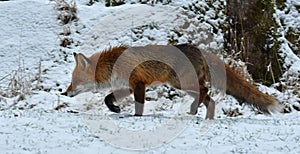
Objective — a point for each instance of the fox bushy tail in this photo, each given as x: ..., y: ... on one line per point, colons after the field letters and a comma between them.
x: 238, y: 87
x: 242, y: 90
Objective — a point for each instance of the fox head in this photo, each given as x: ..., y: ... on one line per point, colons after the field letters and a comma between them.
x: 83, y: 76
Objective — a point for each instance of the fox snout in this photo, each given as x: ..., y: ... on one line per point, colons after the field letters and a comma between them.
x: 73, y: 91
x: 64, y: 93
x: 68, y: 92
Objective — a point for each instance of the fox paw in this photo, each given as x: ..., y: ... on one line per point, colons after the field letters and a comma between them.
x: 115, y: 109
x: 192, y: 112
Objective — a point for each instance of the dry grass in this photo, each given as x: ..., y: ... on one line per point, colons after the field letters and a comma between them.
x: 67, y: 11
x: 20, y: 83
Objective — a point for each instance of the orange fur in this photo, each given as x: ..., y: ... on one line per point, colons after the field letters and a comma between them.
x: 100, y: 66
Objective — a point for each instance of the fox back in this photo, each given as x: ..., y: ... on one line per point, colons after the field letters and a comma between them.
x: 134, y: 65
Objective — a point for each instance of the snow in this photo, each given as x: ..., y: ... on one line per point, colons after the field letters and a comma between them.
x: 26, y: 26
x: 53, y: 132
x: 120, y: 21
x: 39, y: 120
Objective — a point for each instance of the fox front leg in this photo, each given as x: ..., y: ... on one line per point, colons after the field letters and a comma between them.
x: 111, y: 98
x: 139, y: 97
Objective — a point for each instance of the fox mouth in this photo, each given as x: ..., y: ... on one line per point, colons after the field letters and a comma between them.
x: 80, y: 89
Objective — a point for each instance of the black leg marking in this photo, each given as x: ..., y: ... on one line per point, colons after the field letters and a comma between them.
x: 139, y: 97
x: 111, y: 98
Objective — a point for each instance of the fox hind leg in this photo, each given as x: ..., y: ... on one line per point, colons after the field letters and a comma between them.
x: 210, y: 107
x: 207, y: 100
x: 199, y: 98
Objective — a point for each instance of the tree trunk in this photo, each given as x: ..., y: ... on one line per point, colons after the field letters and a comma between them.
x: 252, y: 32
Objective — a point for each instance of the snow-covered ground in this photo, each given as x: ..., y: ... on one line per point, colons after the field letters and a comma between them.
x: 34, y: 118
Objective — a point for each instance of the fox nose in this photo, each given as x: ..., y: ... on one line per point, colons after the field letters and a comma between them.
x: 64, y: 93
x: 70, y: 94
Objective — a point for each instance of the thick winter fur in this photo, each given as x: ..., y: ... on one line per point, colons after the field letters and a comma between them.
x: 245, y: 92
x: 98, y: 70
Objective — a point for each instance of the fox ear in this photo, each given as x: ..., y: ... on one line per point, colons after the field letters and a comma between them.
x: 82, y: 61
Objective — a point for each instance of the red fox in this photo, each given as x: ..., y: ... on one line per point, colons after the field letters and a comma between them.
x: 98, y: 70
